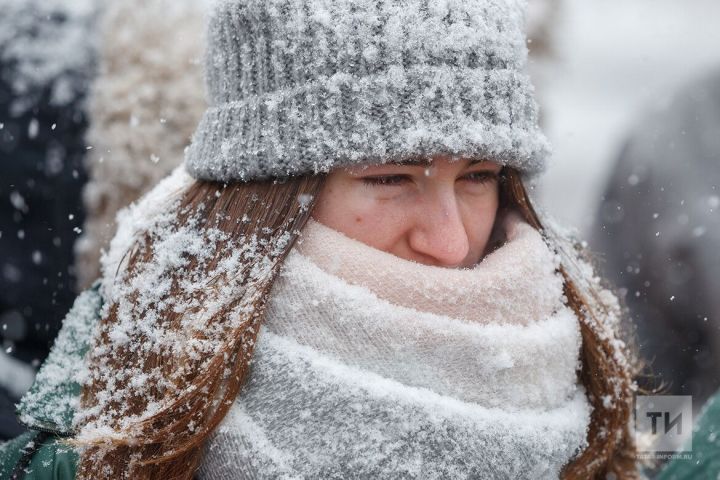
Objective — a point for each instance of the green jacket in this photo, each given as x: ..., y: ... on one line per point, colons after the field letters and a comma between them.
x: 705, y: 461
x: 50, y: 404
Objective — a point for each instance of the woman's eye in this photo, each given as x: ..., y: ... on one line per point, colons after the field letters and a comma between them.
x: 386, y: 180
x: 481, y: 177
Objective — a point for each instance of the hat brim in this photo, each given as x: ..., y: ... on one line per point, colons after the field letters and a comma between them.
x: 345, y: 120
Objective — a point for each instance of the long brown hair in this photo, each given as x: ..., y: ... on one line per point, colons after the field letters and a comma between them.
x: 168, y: 444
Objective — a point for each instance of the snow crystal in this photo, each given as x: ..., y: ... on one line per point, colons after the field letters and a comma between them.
x: 699, y: 231
x: 15, y: 376
x: 713, y: 201
x: 18, y: 201
x: 33, y: 128
x: 11, y: 273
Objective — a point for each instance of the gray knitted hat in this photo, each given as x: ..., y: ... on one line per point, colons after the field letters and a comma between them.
x: 301, y: 86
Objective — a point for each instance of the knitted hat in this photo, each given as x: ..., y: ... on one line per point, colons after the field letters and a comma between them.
x: 301, y: 86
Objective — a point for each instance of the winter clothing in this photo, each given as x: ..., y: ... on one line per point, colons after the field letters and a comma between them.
x: 51, y: 461
x: 659, y: 230
x: 302, y: 87
x: 372, y: 366
x: 49, y: 407
x: 47, y: 55
x: 143, y: 108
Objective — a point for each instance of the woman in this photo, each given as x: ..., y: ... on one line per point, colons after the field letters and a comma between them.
x: 353, y: 283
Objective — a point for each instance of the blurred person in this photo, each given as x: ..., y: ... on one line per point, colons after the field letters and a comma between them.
x: 133, y: 139
x: 143, y: 108
x: 658, y: 231
x: 47, y: 60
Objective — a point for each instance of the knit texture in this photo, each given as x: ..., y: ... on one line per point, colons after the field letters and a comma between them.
x: 349, y: 381
x: 300, y: 86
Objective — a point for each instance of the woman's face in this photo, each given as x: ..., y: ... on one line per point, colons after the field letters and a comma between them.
x: 437, y: 213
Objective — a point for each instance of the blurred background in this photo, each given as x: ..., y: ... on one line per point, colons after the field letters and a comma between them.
x: 630, y: 96
x: 98, y: 99
x: 612, y: 62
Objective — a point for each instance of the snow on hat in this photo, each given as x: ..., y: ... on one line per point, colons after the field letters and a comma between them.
x: 301, y: 86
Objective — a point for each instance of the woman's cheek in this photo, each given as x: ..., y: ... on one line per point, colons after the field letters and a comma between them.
x: 381, y: 223
x: 396, y: 210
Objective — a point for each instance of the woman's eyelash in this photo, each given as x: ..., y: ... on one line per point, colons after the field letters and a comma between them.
x: 481, y: 177
x: 477, y: 177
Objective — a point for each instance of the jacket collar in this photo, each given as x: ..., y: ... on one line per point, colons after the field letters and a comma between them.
x: 53, y: 399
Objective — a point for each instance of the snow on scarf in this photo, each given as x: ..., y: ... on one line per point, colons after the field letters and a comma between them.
x: 371, y: 366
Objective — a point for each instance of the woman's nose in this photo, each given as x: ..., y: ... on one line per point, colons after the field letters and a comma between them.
x: 439, y: 234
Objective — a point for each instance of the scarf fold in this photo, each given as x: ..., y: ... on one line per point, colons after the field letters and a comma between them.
x: 371, y: 366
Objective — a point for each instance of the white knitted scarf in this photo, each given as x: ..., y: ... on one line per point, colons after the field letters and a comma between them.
x: 371, y: 366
